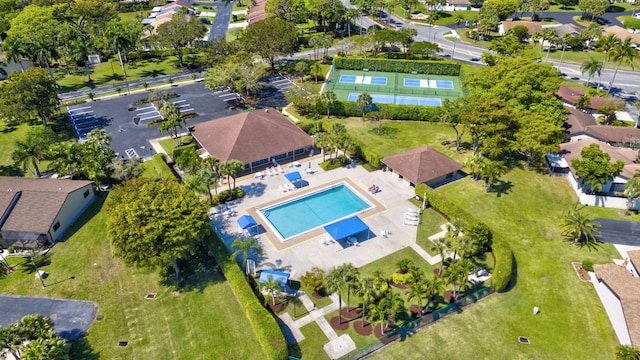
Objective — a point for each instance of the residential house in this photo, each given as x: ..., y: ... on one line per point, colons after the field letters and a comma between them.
x: 162, y: 14
x: 532, y: 26
x: 35, y: 212
x: 618, y: 287
x: 622, y: 33
x: 570, y: 95
x: 423, y: 165
x: 567, y: 29
x: 255, y: 138
x: 577, y: 124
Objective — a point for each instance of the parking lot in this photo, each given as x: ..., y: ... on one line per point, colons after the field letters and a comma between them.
x: 129, y: 125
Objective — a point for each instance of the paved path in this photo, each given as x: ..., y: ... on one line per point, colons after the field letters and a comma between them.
x: 337, y: 345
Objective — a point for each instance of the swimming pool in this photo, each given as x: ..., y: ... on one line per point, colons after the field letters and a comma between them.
x: 308, y: 212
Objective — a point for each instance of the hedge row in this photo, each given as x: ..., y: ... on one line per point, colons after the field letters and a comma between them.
x: 262, y: 321
x: 179, y: 149
x: 401, y: 66
x: 501, y: 251
x: 367, y: 153
x: 391, y: 111
x: 159, y: 53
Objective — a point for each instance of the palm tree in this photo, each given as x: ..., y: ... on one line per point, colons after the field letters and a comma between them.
x: 627, y: 352
x: 606, y: 44
x: 491, y: 170
x: 387, y: 307
x: 334, y: 283
x: 315, y: 68
x: 551, y: 36
x: 244, y: 248
x: 433, y: 287
x: 623, y: 53
x: 15, y: 50
x: 272, y: 287
x: 364, y: 102
x: 454, y: 232
x: 591, y: 67
x: 441, y: 245
x: 320, y: 141
x: 231, y: 168
x: 33, y: 148
x: 632, y: 189
x: 418, y: 291
x: 350, y: 278
x: 212, y: 163
x: 579, y: 227
x: 349, y: 15
x: 366, y: 290
x: 328, y: 98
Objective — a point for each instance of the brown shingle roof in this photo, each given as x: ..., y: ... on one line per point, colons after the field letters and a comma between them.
x: 573, y: 149
x: 422, y: 164
x: 256, y: 12
x: 627, y: 288
x: 622, y: 33
x: 565, y: 29
x: 613, y: 134
x: 532, y: 26
x: 634, y: 256
x: 577, y: 122
x: 569, y: 94
x: 38, y: 204
x: 250, y: 136
x: 458, y: 2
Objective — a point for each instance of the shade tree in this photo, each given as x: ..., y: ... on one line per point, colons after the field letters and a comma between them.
x: 594, y: 168
x: 28, y: 94
x: 271, y: 38
x: 183, y: 30
x: 155, y: 223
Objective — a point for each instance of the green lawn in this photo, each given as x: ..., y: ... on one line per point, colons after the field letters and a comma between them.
x: 387, y: 265
x: 8, y: 136
x: 572, y: 322
x: 311, y: 347
x: 398, y: 136
x: 204, y: 321
x: 430, y: 224
x: 156, y: 168
x: 110, y: 72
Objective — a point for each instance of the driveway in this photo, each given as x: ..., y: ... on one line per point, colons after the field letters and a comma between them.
x: 619, y: 232
x: 221, y: 21
x: 71, y: 318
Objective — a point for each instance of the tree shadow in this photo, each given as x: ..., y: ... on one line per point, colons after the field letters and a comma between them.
x: 385, y: 131
x: 614, y: 9
x: 502, y: 188
x: 81, y: 349
x: 11, y: 170
x: 152, y: 73
x: 514, y: 275
x: 198, y: 272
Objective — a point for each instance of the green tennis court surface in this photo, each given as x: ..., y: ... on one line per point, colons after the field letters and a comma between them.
x: 394, y: 88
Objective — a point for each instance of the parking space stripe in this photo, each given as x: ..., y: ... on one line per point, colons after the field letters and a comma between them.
x: 185, y: 110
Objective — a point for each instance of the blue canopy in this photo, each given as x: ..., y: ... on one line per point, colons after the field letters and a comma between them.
x: 293, y: 176
x: 246, y: 222
x: 345, y: 228
x: 281, y: 278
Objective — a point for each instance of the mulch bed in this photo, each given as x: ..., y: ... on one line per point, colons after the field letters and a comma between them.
x: 350, y: 313
x: 416, y: 311
x: 448, y: 295
x: 365, y: 330
x: 336, y: 325
x: 317, y: 296
x: 582, y: 273
x: 399, y: 286
x: 378, y: 332
x: 437, y: 272
x: 278, y: 307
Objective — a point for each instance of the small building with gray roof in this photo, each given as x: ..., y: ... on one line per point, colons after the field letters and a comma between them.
x: 35, y: 212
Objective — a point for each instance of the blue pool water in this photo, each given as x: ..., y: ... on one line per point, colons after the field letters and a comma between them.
x: 314, y: 210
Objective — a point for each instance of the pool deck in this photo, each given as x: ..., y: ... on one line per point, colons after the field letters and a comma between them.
x: 299, y: 255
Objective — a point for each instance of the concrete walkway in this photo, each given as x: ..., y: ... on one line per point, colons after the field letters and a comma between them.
x: 338, y: 345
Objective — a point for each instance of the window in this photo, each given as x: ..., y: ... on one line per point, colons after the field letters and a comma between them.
x: 56, y: 226
x: 86, y: 193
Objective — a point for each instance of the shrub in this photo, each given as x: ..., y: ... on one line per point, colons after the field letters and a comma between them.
x: 180, y: 149
x: 367, y: 153
x: 226, y: 195
x: 403, y: 66
x: 391, y: 111
x: 186, y: 139
x: 262, y: 321
x: 399, y: 278
x: 314, y: 279
x: 503, y: 270
x: 334, y: 163
x: 587, y: 265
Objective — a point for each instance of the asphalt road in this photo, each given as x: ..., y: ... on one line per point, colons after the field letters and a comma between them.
x: 220, y: 23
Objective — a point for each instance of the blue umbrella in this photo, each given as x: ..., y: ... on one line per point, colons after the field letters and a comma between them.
x: 226, y: 206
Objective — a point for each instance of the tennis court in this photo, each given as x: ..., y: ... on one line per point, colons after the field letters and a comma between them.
x: 426, y: 83
x: 367, y: 80
x: 394, y: 88
x: 398, y: 99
